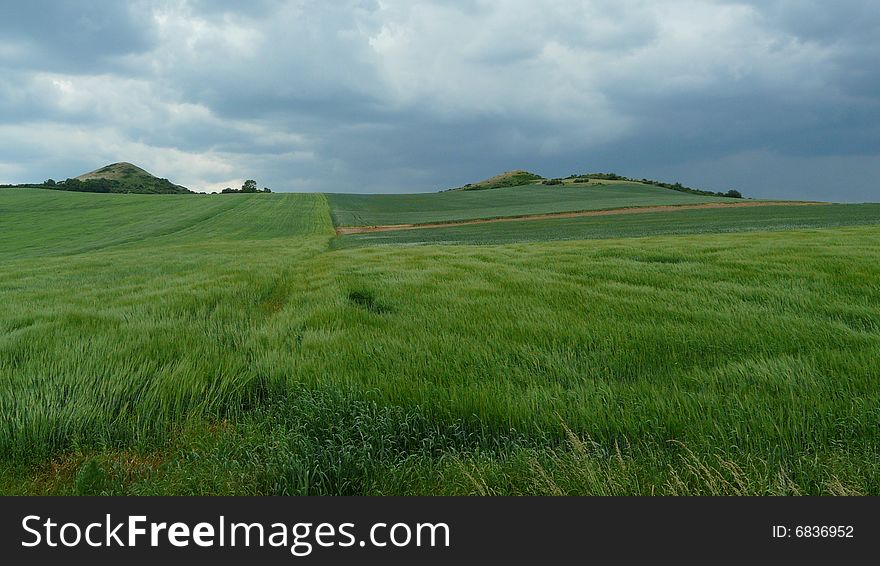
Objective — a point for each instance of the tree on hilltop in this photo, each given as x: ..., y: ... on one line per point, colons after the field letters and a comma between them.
x: 249, y: 186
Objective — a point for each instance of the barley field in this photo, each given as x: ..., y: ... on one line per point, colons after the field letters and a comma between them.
x: 232, y: 344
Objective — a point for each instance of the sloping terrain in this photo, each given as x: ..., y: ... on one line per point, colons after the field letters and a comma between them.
x: 627, y: 223
x: 343, y: 230
x: 128, y: 178
x: 516, y: 178
x: 455, y: 206
x: 83, y: 222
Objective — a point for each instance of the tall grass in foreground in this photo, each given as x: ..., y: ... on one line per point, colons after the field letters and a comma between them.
x: 206, y: 360
x: 333, y: 443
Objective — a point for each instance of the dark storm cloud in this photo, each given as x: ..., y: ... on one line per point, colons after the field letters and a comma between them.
x: 394, y: 96
x: 77, y: 35
x: 850, y: 28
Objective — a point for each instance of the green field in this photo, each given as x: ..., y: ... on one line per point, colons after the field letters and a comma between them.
x: 40, y: 223
x: 232, y: 345
x: 376, y: 210
x: 698, y: 221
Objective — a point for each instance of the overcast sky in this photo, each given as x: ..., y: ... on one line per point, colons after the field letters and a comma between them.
x: 778, y: 98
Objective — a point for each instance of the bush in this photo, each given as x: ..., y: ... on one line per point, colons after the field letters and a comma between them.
x: 733, y: 193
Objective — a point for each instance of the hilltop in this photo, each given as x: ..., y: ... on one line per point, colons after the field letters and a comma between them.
x: 521, y: 177
x: 514, y: 178
x: 124, y: 178
x: 115, y: 178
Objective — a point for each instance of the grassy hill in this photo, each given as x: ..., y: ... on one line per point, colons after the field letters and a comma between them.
x: 128, y: 178
x: 514, y: 178
x: 115, y: 178
x: 216, y: 345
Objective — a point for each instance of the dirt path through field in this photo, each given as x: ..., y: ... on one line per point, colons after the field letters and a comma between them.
x: 342, y: 230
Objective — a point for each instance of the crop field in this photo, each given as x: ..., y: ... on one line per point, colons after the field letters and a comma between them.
x: 374, y: 210
x: 697, y: 221
x: 39, y: 223
x: 232, y: 344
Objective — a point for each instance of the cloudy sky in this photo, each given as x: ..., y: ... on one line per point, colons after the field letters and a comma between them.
x: 778, y: 98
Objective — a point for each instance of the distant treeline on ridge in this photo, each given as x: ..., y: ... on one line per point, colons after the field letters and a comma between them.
x: 732, y: 193
x: 162, y: 186
x: 519, y: 177
x: 249, y: 187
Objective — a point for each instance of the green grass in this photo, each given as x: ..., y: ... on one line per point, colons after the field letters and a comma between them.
x: 697, y: 221
x: 374, y: 210
x: 225, y: 347
x: 37, y: 223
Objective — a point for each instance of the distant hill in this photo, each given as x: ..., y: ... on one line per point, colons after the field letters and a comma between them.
x: 116, y: 178
x: 520, y: 177
x: 122, y: 178
x: 513, y: 178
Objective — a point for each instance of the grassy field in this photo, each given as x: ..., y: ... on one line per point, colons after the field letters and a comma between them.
x: 374, y: 210
x: 207, y: 345
x: 45, y: 223
x: 698, y: 221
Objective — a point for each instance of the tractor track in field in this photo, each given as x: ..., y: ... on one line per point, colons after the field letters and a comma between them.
x: 344, y: 230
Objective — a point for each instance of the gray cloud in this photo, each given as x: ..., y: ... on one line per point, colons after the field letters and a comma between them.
x: 81, y: 35
x: 399, y: 96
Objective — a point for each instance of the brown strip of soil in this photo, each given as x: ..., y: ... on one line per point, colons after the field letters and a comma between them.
x: 342, y: 230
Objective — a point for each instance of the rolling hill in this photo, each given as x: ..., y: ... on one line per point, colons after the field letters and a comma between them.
x: 453, y: 206
x: 516, y: 193
x: 114, y: 178
x: 515, y: 178
x: 128, y: 178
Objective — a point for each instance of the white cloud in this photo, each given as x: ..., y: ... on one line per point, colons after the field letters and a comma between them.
x: 106, y: 145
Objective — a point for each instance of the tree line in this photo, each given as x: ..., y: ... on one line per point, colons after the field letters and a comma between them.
x: 100, y: 185
x: 249, y: 186
x: 732, y: 193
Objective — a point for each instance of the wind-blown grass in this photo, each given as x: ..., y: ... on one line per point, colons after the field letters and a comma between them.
x: 238, y: 353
